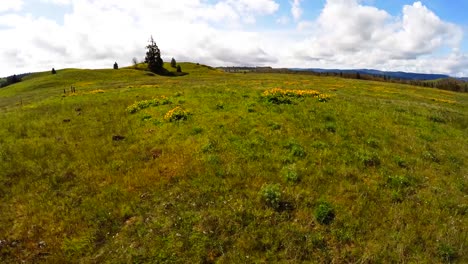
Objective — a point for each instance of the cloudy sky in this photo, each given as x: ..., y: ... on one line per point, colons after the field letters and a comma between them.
x: 428, y: 36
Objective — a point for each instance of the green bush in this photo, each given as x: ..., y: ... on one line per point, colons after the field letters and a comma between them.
x: 271, y: 195
x: 291, y: 175
x: 324, y: 213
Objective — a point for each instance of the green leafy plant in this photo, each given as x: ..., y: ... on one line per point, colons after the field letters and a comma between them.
x: 324, y: 213
x: 271, y: 195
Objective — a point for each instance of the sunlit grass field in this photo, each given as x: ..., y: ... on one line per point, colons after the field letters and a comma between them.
x: 219, y: 168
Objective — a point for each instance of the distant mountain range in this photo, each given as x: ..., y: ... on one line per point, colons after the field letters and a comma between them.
x: 393, y: 75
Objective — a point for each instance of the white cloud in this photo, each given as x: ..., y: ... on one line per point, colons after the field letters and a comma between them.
x: 347, y: 34
x: 97, y: 33
x: 284, y: 20
x: 57, y: 2
x: 11, y: 5
x: 296, y: 9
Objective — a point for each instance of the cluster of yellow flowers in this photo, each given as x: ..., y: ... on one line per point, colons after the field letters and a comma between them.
x: 96, y: 91
x: 324, y: 97
x: 443, y: 101
x: 284, y: 93
x: 176, y: 114
x: 291, y: 93
x: 162, y: 100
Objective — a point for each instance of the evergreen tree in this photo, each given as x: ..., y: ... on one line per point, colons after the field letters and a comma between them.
x: 173, y: 63
x: 53, y: 71
x: 116, y: 66
x: 179, y: 69
x: 153, y: 58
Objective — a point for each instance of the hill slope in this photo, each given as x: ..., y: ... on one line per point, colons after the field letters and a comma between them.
x: 373, y: 172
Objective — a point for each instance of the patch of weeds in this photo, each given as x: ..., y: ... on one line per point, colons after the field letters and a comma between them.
x: 447, y: 253
x: 397, y: 196
x: 213, y: 159
x: 251, y: 108
x: 399, y: 182
x: 319, y: 145
x: 329, y: 118
x: 330, y: 127
x: 329, y: 170
x: 271, y: 195
x: 429, y: 155
x: 318, y: 241
x: 78, y: 245
x: 274, y: 126
x: 401, y: 187
x: 295, y: 150
x: 324, y: 213
x: 400, y: 162
x: 197, y: 130
x: 146, y: 117
x: 372, y: 142
x: 437, y: 119
x: 157, y: 122
x: 426, y: 137
x: 291, y: 175
x: 178, y: 94
x: 220, y: 106
x: 209, y: 147
x: 115, y: 165
x: 369, y: 159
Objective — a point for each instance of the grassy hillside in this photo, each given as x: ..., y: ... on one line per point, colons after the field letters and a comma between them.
x: 215, y: 167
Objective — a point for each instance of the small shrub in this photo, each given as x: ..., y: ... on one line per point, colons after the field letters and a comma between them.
x: 146, y: 118
x: 291, y: 175
x: 176, y: 114
x: 370, y: 159
x: 324, y: 213
x: 399, y: 182
x: 372, y: 142
x: 274, y: 126
x: 220, y: 106
x: 319, y: 145
x: 197, y: 130
x: 437, y: 119
x: 271, y: 195
x: 429, y: 155
x: 400, y: 162
x: 296, y: 150
x: 330, y: 127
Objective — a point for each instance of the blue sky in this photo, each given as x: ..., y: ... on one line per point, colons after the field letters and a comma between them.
x: 420, y: 36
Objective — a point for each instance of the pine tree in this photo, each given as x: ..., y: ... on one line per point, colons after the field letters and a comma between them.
x: 116, y: 66
x: 153, y: 58
x: 173, y: 63
x: 54, y: 71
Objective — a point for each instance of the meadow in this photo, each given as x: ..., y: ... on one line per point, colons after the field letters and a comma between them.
x: 213, y: 167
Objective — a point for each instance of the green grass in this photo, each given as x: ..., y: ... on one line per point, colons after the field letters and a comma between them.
x: 376, y: 174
